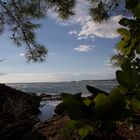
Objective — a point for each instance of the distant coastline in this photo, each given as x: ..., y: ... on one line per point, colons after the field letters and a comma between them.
x: 60, y: 81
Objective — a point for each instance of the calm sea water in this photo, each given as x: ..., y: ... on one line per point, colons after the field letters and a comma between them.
x: 47, y: 110
x: 61, y: 87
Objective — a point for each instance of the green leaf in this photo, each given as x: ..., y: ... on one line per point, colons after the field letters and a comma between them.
x: 124, y: 22
x: 119, y: 89
x: 137, y: 11
x: 135, y: 103
x: 137, y: 92
x: 85, y: 131
x: 71, y: 123
x: 130, y: 4
x: 69, y: 128
x: 87, y: 101
x: 122, y: 43
x: 111, y: 108
x: 124, y: 46
x: 133, y: 42
x: 138, y: 50
x: 122, y: 79
x: 131, y: 55
x: 101, y: 106
x: 124, y: 32
x: 117, y: 101
x: 128, y: 78
x: 118, y: 110
x: 126, y: 64
x: 95, y: 91
x: 73, y: 105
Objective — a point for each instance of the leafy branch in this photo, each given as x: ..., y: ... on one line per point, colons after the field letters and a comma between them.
x: 22, y: 32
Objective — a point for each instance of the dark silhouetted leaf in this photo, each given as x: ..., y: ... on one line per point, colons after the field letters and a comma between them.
x: 95, y: 91
x: 73, y: 105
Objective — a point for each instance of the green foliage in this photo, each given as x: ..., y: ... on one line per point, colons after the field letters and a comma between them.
x: 117, y: 60
x: 137, y: 11
x: 128, y: 77
x: 131, y: 4
x: 106, y: 106
x: 102, y: 112
x: 129, y: 46
x: 73, y: 104
x: 94, y: 90
x: 21, y: 17
x: 85, y: 131
x: 130, y: 41
x: 124, y: 33
x: 101, y: 11
x: 135, y: 103
x: 38, y: 54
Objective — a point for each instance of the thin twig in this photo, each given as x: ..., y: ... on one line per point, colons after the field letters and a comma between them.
x: 19, y: 25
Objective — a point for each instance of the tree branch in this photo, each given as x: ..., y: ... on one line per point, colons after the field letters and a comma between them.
x: 19, y: 25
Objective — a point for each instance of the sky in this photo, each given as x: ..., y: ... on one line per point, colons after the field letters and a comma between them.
x: 78, y: 49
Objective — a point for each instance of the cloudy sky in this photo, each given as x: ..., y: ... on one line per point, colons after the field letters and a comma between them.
x: 79, y: 49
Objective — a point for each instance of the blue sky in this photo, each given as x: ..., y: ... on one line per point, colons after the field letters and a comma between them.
x: 78, y: 49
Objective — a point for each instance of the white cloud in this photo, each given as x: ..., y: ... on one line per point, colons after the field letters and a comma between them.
x: 84, y: 48
x: 108, y: 63
x: 74, y: 32
x: 88, y: 27
x: 2, y: 73
x: 82, y: 37
x: 22, y: 54
x: 104, y: 73
x: 104, y: 30
x: 115, y: 51
x: 52, y: 53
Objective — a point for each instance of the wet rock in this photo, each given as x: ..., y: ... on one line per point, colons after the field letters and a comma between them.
x: 59, y: 109
x: 18, y: 114
x: 49, y: 97
x: 52, y: 129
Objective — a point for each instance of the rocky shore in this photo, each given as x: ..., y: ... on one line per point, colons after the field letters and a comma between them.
x: 19, y: 119
x: 53, y: 129
x: 49, y: 97
x: 18, y: 114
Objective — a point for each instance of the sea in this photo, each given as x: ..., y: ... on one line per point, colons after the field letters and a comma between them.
x: 56, y: 88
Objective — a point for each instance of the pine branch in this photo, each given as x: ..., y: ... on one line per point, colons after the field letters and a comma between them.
x: 18, y: 23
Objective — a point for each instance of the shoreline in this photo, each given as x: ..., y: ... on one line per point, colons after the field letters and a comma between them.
x: 19, y: 120
x: 47, y: 109
x: 18, y: 114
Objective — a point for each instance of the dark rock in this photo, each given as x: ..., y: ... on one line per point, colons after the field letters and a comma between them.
x: 53, y: 128
x: 18, y: 114
x: 49, y: 97
x: 60, y: 109
x: 42, y: 95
